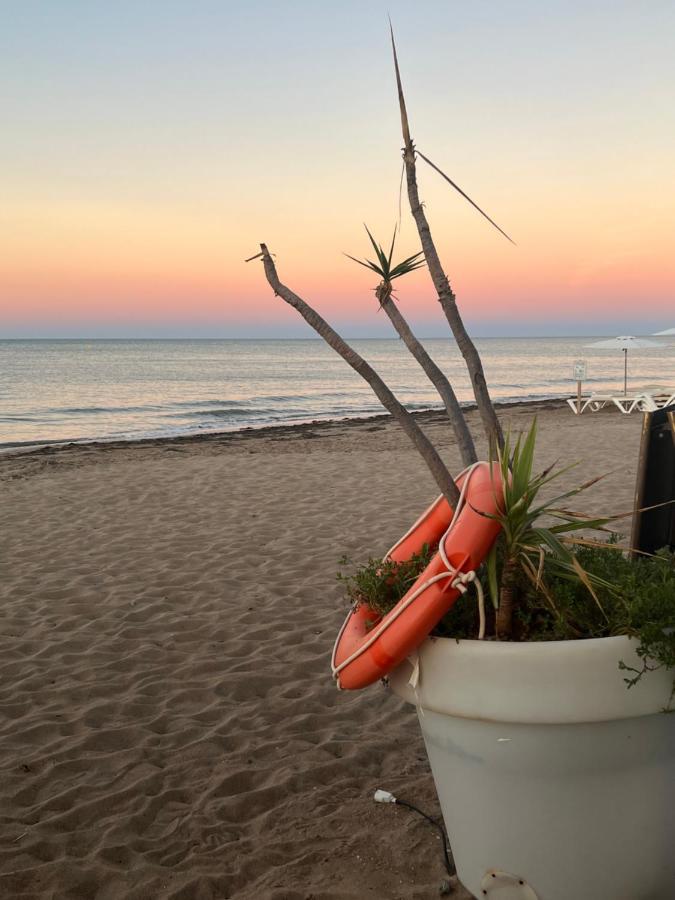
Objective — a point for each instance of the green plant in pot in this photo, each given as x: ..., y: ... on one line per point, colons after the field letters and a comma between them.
x: 548, y: 742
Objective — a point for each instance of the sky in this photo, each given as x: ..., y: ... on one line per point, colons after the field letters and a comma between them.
x: 149, y: 147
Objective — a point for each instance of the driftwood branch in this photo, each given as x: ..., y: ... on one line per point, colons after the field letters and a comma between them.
x: 445, y: 294
x: 421, y: 442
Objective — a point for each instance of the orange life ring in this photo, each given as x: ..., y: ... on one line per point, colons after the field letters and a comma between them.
x: 368, y: 646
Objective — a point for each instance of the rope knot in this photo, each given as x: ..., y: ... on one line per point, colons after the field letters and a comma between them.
x: 463, y: 579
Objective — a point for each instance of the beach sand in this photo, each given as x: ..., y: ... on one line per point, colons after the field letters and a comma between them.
x: 169, y: 725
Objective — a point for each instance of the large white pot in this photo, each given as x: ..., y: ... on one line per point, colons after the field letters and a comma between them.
x: 556, y: 781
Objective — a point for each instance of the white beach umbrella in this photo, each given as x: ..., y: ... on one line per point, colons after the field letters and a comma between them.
x: 664, y: 333
x: 625, y: 343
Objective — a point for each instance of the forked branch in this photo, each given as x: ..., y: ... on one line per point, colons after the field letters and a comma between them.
x: 385, y: 269
x: 421, y: 442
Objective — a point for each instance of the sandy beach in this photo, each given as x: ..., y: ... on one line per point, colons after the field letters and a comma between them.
x: 169, y: 724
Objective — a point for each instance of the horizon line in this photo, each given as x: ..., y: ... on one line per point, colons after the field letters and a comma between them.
x: 423, y: 337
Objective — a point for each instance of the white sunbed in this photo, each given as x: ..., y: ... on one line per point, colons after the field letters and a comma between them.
x: 658, y: 395
x: 647, y: 399
x: 628, y: 403
x: 594, y: 402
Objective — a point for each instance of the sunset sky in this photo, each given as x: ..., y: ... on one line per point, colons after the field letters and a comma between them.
x: 148, y: 147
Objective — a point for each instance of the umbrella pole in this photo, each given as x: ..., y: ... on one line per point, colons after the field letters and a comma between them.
x: 625, y: 371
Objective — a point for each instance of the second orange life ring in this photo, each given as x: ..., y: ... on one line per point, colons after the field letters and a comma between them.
x: 368, y: 646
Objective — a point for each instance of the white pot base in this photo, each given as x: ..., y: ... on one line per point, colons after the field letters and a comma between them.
x: 578, y: 810
x: 496, y: 885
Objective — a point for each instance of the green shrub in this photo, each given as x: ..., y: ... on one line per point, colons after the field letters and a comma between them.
x: 380, y: 583
x: 641, y: 603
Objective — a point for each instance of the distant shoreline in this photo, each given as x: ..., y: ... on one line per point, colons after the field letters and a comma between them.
x: 73, y: 391
x: 425, y: 416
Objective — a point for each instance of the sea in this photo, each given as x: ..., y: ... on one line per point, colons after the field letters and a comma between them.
x: 54, y: 391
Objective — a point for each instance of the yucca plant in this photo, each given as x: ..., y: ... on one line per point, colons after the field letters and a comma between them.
x: 527, y: 548
x: 388, y: 272
x: 384, y: 268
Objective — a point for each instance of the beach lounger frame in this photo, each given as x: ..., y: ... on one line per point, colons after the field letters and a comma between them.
x: 595, y: 402
x: 643, y: 401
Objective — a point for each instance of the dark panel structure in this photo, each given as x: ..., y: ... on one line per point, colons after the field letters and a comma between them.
x: 655, y: 528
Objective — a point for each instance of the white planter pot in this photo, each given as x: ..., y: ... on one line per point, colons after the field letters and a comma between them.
x: 556, y: 781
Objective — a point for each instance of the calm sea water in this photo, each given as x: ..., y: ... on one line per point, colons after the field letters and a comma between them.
x: 83, y: 390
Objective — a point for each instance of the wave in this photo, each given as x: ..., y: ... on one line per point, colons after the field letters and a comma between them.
x: 94, y: 410
x: 10, y: 418
x: 230, y: 413
x: 179, y: 404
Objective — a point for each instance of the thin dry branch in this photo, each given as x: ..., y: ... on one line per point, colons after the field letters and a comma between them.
x: 388, y: 272
x: 464, y: 194
x: 421, y: 442
x: 437, y: 378
x: 446, y: 296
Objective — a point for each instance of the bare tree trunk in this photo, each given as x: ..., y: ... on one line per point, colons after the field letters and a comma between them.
x: 422, y: 443
x: 446, y: 296
x: 435, y: 376
x: 507, y: 591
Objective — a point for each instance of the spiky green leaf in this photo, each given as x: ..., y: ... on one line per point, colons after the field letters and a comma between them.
x: 366, y: 265
x: 379, y: 251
